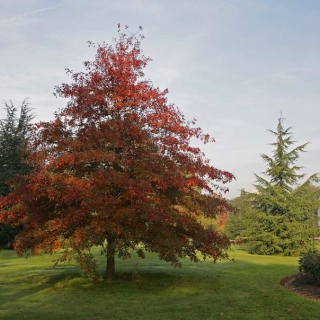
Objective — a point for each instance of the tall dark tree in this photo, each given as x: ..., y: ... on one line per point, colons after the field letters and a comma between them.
x: 286, y: 220
x: 14, y: 132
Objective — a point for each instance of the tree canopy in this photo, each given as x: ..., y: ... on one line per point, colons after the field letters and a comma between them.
x: 14, y: 132
x: 116, y: 169
x: 280, y: 217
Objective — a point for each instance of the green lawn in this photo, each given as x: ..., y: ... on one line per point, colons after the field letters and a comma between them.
x: 151, y: 289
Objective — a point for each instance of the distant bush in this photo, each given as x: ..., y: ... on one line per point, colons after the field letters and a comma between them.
x: 309, y: 263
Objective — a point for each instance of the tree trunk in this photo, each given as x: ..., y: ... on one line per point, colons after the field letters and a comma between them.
x: 111, y: 269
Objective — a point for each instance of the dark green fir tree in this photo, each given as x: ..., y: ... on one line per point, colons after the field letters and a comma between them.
x: 14, y: 132
x: 286, y: 220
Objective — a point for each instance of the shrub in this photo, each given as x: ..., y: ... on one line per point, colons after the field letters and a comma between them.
x: 309, y: 263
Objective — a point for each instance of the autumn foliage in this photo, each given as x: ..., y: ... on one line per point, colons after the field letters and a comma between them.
x: 113, y: 168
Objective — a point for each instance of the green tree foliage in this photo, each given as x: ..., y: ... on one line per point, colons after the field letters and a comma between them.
x: 240, y: 217
x: 14, y: 130
x: 280, y: 218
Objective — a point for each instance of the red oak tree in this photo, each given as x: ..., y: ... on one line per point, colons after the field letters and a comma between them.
x: 116, y: 169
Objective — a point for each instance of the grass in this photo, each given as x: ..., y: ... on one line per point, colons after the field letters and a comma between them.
x: 151, y: 289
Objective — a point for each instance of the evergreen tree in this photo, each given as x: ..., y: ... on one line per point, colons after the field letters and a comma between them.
x: 14, y: 131
x: 285, y: 220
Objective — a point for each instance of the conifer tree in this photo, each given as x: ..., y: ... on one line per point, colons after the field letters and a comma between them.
x: 14, y: 130
x: 285, y: 220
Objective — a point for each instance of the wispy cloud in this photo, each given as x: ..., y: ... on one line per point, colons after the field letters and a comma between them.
x: 30, y: 13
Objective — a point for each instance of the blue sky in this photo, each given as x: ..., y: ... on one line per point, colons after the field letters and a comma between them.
x: 234, y: 65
